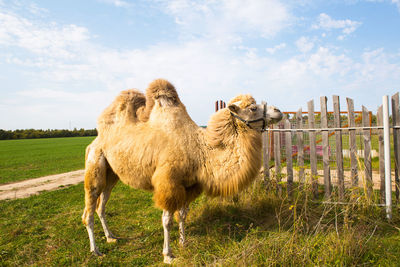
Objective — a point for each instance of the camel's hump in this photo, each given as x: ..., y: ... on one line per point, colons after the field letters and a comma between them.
x: 162, y: 90
x: 123, y: 108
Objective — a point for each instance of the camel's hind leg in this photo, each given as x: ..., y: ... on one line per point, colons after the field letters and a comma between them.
x: 95, y: 183
x: 111, y: 180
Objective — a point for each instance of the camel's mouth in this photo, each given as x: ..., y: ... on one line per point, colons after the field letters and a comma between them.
x: 274, y: 115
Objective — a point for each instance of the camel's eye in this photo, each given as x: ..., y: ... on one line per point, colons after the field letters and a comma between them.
x: 253, y: 108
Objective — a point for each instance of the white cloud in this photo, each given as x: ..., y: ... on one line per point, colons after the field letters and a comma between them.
x: 325, y: 22
x: 46, y: 40
x: 272, y: 50
x: 397, y: 3
x: 117, y: 3
x: 229, y: 18
x: 304, y: 44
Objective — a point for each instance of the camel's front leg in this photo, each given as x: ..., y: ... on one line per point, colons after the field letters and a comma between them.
x: 182, y: 217
x: 167, y: 223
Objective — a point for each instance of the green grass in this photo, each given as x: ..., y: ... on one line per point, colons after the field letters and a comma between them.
x: 260, y: 229
x: 30, y: 158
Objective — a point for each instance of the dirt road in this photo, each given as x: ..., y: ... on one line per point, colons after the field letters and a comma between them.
x: 35, y: 186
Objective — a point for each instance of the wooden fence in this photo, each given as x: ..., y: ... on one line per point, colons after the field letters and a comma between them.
x: 290, y: 134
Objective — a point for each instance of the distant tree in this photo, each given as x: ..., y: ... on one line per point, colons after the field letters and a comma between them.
x: 39, y: 133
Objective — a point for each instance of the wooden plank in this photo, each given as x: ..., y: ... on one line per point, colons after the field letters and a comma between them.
x: 313, y: 148
x: 325, y: 147
x: 339, y: 150
x: 352, y: 143
x: 265, y: 143
x: 396, y: 141
x: 367, y: 152
x: 300, y: 146
x: 289, y: 161
x: 277, y: 158
x: 379, y: 117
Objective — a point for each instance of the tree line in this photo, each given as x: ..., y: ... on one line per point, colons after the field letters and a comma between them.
x: 50, y: 133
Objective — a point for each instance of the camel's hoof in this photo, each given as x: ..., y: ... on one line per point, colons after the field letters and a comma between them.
x: 96, y: 252
x: 168, y: 259
x: 182, y: 243
x: 111, y: 239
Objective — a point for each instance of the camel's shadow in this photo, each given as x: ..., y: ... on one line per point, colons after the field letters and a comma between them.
x: 232, y: 219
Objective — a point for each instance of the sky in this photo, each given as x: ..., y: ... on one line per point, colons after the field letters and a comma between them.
x: 62, y: 62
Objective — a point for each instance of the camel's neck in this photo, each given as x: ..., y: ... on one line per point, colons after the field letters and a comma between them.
x: 233, y: 157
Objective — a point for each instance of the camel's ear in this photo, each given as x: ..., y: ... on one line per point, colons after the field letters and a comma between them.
x: 233, y: 108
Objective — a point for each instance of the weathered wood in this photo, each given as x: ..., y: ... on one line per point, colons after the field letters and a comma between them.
x: 300, y: 146
x: 325, y: 147
x: 339, y: 150
x: 367, y: 152
x: 396, y: 141
x: 277, y: 156
x: 289, y: 162
x: 352, y: 143
x: 265, y: 143
x: 313, y: 148
x: 265, y: 157
x: 379, y: 117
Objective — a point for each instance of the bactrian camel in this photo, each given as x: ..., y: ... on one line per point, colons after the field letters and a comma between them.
x: 150, y: 142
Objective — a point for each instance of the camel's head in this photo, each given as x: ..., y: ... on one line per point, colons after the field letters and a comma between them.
x: 257, y: 117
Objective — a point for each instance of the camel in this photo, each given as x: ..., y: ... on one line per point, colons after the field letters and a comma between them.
x: 150, y: 142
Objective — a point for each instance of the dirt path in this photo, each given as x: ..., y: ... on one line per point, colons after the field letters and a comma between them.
x: 35, y: 186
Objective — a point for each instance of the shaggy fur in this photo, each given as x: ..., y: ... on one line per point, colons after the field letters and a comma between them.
x: 151, y: 143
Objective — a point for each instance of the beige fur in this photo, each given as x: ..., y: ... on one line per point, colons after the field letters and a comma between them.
x: 151, y: 143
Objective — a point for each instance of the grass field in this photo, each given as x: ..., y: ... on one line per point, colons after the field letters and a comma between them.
x: 30, y: 158
x: 259, y: 230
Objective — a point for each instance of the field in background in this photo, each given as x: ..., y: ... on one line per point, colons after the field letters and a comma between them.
x: 29, y: 158
x: 260, y: 229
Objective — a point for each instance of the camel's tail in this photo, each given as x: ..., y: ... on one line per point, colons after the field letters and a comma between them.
x: 159, y: 90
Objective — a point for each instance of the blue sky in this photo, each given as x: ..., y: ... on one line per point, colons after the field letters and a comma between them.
x: 63, y: 62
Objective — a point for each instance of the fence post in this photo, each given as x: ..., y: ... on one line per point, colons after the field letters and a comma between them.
x: 313, y: 154
x: 300, y: 146
x: 381, y: 155
x: 265, y: 143
x: 396, y: 141
x: 325, y: 147
x: 277, y: 158
x: 289, y: 161
x: 352, y: 142
x: 367, y: 152
x: 386, y: 138
x: 339, y: 150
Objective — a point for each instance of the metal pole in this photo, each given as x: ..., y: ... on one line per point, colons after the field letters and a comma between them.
x: 386, y: 139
